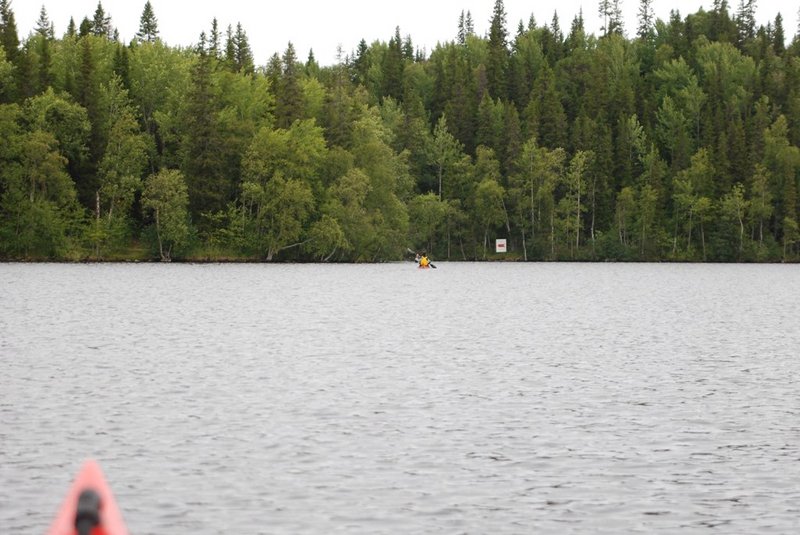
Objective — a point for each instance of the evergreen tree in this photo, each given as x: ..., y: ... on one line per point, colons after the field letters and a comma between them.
x: 101, y: 23
x: 497, y: 62
x: 43, y: 25
x: 206, y: 174
x: 9, y: 39
x: 510, y: 139
x: 312, y: 68
x: 461, y: 37
x: 85, y: 28
x: 121, y: 65
x: 87, y: 96
x: 746, y: 21
x: 778, y: 36
x: 214, y: 40
x: 44, y: 31
x: 615, y: 23
x: 577, y: 33
x: 604, y: 10
x: 408, y: 49
x: 545, y: 113
x: 361, y: 63
x: 552, y: 41
x: 148, y: 25
x: 611, y: 13
x: 721, y: 27
x: 72, y: 30
x: 230, y: 50
x: 289, y: 101
x: 274, y: 71
x: 27, y: 83
x: 489, y: 123
x: 647, y: 20
x: 243, y: 55
x: 393, y: 69
x: 555, y: 27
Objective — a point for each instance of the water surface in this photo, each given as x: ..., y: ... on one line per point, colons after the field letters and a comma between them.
x: 474, y: 398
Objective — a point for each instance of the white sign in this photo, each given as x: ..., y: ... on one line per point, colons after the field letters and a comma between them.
x: 500, y: 245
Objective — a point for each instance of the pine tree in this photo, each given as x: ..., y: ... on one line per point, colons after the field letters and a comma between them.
x: 230, y: 49
x: 274, y: 71
x: 312, y: 69
x: 545, y: 113
x: 121, y: 65
x: 615, y: 24
x: 555, y: 27
x: 148, y: 25
x: 8, y: 31
x: 43, y: 25
x: 44, y: 31
x: 408, y: 49
x: 214, y: 40
x: 243, y: 56
x: 778, y: 36
x: 87, y: 89
x: 489, y: 122
x: 611, y: 12
x: 72, y: 30
x: 462, y: 30
x: 393, y: 69
x: 101, y: 23
x: 497, y: 62
x: 85, y: 28
x: 203, y: 163
x: 511, y: 139
x: 647, y: 20
x: 746, y: 21
x: 289, y: 101
x: 27, y: 82
x: 361, y: 62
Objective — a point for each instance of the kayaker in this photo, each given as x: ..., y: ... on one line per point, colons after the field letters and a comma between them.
x: 423, y: 261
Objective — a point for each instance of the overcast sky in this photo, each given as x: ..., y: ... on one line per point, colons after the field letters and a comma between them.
x: 323, y: 25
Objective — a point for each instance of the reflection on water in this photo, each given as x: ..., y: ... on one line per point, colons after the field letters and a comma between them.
x: 476, y: 398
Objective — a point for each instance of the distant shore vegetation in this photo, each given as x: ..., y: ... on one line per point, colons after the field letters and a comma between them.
x: 676, y: 140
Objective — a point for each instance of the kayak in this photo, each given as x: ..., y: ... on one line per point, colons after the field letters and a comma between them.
x: 424, y: 267
x: 89, y: 507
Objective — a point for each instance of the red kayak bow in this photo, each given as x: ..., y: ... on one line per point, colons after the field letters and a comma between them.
x: 89, y: 508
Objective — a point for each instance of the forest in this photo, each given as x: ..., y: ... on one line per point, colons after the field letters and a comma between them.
x: 677, y: 140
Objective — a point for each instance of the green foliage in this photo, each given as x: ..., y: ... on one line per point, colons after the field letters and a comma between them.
x: 427, y: 215
x: 444, y: 151
x: 39, y: 214
x: 680, y: 143
x: 276, y: 213
x: 165, y: 194
x: 148, y: 24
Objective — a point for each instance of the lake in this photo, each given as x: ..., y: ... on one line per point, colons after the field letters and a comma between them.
x: 472, y: 398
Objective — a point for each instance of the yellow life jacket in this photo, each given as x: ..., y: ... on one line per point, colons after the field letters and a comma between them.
x: 424, y: 261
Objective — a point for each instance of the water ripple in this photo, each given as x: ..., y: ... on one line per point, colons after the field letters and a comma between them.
x: 377, y: 399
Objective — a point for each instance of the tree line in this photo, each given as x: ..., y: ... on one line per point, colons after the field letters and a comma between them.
x: 676, y: 140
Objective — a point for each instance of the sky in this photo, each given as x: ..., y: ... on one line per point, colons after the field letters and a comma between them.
x: 325, y: 25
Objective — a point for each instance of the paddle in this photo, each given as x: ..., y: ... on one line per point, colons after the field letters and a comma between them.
x: 414, y: 253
